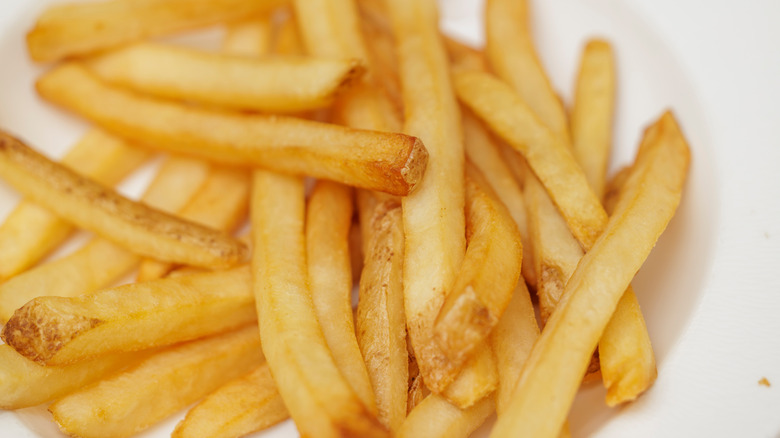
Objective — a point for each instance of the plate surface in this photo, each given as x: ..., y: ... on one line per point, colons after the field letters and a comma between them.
x: 709, y: 291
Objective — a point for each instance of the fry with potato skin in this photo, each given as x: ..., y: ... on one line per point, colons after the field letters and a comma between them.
x: 282, y: 85
x: 24, y: 383
x: 433, y: 215
x: 58, y: 331
x: 92, y: 206
x: 247, y: 404
x: 100, y: 262
x: 30, y: 232
x: 76, y: 29
x: 487, y: 277
x: 388, y: 162
x: 380, y: 322
x: 328, y: 220
x: 319, y: 399
x: 166, y: 382
x: 558, y: 360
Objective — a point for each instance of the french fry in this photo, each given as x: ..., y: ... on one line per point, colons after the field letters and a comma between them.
x: 239, y: 82
x: 319, y: 399
x: 24, y: 383
x: 221, y: 203
x: 551, y: 160
x: 336, y: 21
x: 328, y: 220
x: 510, y: 50
x: 388, y: 162
x: 487, y: 277
x: 434, y: 223
x: 59, y: 331
x: 81, y: 28
x: 380, y: 322
x: 614, y: 187
x: 166, y: 382
x: 30, y: 231
x: 559, y: 358
x: 251, y: 37
x: 592, y: 114
x: 92, y: 206
x: 436, y: 417
x: 478, y: 379
x: 99, y: 263
x: 247, y: 404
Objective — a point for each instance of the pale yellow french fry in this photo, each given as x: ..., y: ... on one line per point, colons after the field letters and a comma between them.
x: 388, y: 162
x: 24, y: 383
x: 239, y: 82
x: 478, y: 379
x: 30, y: 231
x: 79, y: 28
x: 510, y: 49
x: 100, y: 262
x: 550, y: 158
x: 487, y: 277
x: 93, y: 206
x: 58, y: 331
x: 380, y: 321
x: 319, y: 399
x: 436, y: 417
x: 247, y: 404
x: 221, y: 203
x: 251, y: 37
x: 552, y: 375
x: 593, y: 111
x: 328, y: 220
x: 166, y: 382
x: 434, y: 222
x: 614, y: 187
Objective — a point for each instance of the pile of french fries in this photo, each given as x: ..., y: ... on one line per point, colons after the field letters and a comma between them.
x: 449, y: 185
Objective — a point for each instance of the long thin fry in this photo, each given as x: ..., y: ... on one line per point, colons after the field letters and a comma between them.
x: 238, y: 82
x: 159, y: 386
x: 30, y: 232
x: 380, y: 322
x: 90, y: 205
x: 387, y: 162
x: 436, y: 417
x: 100, y: 262
x: 57, y: 330
x: 80, y: 28
x: 328, y: 220
x: 319, y: 399
x: 510, y: 49
x: 434, y: 222
x: 240, y: 407
x: 558, y: 360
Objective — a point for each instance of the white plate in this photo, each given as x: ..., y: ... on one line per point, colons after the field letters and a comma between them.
x: 709, y: 291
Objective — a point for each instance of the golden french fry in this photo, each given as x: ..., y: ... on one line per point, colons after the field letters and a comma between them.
x: 319, y: 399
x: 90, y: 205
x: 330, y: 28
x: 251, y: 37
x: 247, y: 404
x: 24, y: 383
x: 58, y: 331
x: 221, y: 203
x: 30, y: 232
x: 328, y: 220
x: 478, y: 379
x: 592, y: 114
x: 487, y: 277
x: 558, y: 360
x: 510, y: 49
x: 613, y: 188
x: 99, y: 263
x: 387, y: 162
x: 551, y: 160
x: 380, y: 45
x: 436, y: 417
x: 80, y: 28
x: 230, y: 81
x: 434, y: 223
x: 380, y: 322
x: 464, y: 57
x: 166, y: 382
